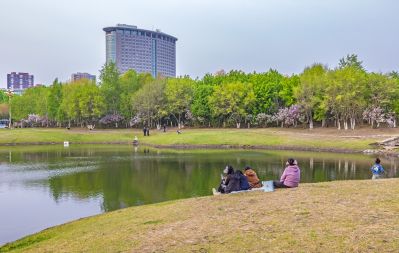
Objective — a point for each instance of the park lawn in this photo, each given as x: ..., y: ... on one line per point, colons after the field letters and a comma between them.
x: 339, y: 216
x: 49, y: 135
x: 269, y: 137
x: 262, y: 137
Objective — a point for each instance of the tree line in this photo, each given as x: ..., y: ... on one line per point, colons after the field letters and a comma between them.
x: 342, y: 97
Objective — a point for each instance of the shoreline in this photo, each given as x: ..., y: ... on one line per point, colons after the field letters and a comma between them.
x: 254, y: 147
x: 196, y: 146
x: 318, y: 140
x: 148, y: 228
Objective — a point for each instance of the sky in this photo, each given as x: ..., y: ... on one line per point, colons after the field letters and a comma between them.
x: 53, y: 39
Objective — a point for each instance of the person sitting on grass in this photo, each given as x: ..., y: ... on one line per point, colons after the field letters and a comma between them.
x: 222, y: 187
x: 253, y: 179
x: 244, y: 185
x: 377, y: 169
x: 290, y: 177
x: 233, y: 182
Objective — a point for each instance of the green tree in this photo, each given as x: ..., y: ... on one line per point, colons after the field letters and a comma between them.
x: 149, y: 102
x: 288, y: 86
x: 394, y: 75
x: 54, y: 102
x: 82, y: 102
x: 91, y: 101
x: 129, y: 84
x: 267, y: 87
x: 33, y: 101
x: 4, y: 108
x: 110, y: 87
x: 200, y: 106
x: 310, y: 90
x: 232, y: 101
x: 345, y: 95
x: 3, y: 97
x: 351, y: 60
x: 179, y: 95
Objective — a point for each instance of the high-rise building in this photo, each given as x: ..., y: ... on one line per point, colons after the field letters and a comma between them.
x: 78, y: 76
x: 144, y: 51
x: 19, y: 81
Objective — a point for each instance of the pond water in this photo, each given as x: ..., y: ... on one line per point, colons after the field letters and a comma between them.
x: 43, y: 186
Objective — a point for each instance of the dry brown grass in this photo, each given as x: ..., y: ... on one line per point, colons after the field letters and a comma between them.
x: 341, y: 216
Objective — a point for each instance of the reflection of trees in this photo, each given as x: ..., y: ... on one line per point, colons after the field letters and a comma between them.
x: 139, y: 181
x: 126, y: 178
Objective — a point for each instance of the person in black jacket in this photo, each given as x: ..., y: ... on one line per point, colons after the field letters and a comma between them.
x: 233, y: 183
x: 244, y: 185
x: 227, y: 171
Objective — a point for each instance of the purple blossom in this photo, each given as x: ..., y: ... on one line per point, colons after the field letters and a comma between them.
x: 289, y: 116
x: 135, y: 120
x: 111, y: 118
x: 377, y: 114
x: 34, y: 119
x: 189, y: 115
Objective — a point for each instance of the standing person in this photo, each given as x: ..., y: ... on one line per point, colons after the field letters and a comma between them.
x: 164, y: 127
x: 253, y: 179
x: 290, y: 177
x: 377, y: 169
x: 145, y: 130
x: 148, y: 131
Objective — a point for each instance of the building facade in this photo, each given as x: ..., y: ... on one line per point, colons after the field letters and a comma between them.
x: 78, y: 76
x: 19, y: 81
x: 144, y: 51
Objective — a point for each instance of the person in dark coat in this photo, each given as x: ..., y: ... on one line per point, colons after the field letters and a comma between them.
x: 227, y: 171
x: 244, y: 185
x: 233, y: 183
x: 145, y: 130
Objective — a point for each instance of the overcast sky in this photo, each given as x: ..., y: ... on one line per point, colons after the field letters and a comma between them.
x: 52, y: 39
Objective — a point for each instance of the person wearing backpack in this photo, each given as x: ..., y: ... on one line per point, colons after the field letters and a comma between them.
x: 244, y: 184
x: 377, y: 169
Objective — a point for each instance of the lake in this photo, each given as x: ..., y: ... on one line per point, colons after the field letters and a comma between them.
x: 43, y: 186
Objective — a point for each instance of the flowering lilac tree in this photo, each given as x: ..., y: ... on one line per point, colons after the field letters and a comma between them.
x: 35, y: 120
x: 136, y: 120
x: 374, y: 114
x: 378, y: 116
x: 289, y: 116
x: 261, y: 119
x: 390, y: 119
x: 111, y: 119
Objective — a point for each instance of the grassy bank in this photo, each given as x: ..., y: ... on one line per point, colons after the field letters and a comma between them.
x: 272, y: 137
x: 341, y: 216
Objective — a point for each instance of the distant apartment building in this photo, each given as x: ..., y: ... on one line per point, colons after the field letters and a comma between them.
x: 19, y: 81
x: 78, y: 76
x: 143, y: 50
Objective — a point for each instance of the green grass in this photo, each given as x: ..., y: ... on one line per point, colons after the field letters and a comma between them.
x: 48, y: 135
x: 340, y: 216
x: 270, y: 137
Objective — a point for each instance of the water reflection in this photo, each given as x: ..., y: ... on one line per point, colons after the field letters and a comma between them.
x: 105, y: 178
